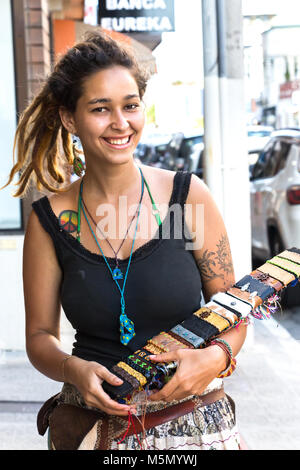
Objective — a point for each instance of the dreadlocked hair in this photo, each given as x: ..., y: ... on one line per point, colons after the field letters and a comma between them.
x: 42, y: 144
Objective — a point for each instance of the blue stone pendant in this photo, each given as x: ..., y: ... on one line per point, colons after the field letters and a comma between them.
x: 117, y: 273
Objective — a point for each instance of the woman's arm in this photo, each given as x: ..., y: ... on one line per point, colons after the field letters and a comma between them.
x: 42, y: 278
x: 197, y: 368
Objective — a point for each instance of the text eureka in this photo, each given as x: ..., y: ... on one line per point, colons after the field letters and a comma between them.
x: 140, y: 23
x: 158, y: 459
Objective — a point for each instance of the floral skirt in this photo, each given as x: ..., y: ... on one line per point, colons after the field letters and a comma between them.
x: 209, y: 427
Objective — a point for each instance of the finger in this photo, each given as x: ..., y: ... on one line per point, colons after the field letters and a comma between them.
x: 164, y: 357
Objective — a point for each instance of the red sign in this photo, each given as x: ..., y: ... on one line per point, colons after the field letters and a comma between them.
x: 287, y: 89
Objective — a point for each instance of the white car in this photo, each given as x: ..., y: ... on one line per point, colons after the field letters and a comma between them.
x: 275, y: 196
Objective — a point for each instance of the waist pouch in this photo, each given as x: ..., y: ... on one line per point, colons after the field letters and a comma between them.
x: 70, y: 424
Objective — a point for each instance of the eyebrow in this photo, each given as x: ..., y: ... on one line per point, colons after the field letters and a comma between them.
x: 108, y: 100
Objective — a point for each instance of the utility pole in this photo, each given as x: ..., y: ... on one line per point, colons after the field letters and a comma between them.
x: 226, y: 158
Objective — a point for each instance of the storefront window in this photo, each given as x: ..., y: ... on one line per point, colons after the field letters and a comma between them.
x: 10, y: 207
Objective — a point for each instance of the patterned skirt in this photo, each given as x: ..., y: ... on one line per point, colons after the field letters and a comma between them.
x: 210, y: 427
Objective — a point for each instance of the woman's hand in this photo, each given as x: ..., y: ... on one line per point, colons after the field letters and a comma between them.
x: 196, y: 369
x: 87, y: 376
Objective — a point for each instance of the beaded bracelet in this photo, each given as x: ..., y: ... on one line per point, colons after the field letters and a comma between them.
x: 227, y: 349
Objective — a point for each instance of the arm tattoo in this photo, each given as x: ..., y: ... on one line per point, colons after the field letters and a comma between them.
x: 216, y: 264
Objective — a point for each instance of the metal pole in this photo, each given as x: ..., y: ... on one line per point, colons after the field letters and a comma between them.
x: 235, y: 170
x: 212, y: 132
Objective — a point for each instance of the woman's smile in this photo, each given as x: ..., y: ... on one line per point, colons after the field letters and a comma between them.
x: 118, y: 142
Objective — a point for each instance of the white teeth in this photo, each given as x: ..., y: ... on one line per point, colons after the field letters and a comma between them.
x: 118, y: 141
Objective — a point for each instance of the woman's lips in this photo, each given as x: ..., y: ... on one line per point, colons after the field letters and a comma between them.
x: 118, y: 143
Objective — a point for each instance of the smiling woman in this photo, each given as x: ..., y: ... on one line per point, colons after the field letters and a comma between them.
x: 117, y: 290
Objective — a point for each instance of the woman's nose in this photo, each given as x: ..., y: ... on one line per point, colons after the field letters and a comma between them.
x: 119, y: 121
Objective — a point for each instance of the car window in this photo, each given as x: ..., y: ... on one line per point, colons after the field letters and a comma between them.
x: 188, y: 145
x: 272, y: 159
x: 277, y: 159
x: 265, y: 155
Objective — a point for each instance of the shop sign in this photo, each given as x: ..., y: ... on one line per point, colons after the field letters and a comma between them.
x: 128, y: 16
x: 287, y: 89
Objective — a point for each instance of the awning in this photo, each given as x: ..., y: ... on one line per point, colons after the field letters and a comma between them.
x: 67, y: 32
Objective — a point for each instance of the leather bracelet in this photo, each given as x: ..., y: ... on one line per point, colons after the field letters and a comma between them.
x: 224, y: 312
x: 291, y: 256
x: 267, y: 280
x: 252, y: 298
x: 195, y: 340
x: 153, y: 349
x: 179, y: 338
x: 200, y: 327
x: 141, y: 378
x: 213, y: 318
x: 278, y: 273
x: 163, y: 340
x: 124, y: 375
x: 285, y: 264
x: 241, y: 309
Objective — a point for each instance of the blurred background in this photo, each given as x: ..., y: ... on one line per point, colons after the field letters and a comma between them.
x: 223, y: 102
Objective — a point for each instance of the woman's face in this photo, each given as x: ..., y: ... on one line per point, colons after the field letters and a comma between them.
x: 109, y: 116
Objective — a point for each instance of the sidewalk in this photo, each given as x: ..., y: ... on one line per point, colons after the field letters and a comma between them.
x: 265, y: 388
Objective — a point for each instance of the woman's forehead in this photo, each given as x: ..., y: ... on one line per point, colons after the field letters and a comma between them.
x: 111, y: 83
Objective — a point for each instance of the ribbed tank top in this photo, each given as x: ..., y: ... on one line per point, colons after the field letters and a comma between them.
x: 163, y: 285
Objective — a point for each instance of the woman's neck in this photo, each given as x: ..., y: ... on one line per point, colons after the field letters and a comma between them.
x: 111, y: 183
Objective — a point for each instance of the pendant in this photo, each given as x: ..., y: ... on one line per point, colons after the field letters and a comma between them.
x: 117, y: 273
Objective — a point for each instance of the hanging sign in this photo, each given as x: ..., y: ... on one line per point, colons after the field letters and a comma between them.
x: 128, y: 16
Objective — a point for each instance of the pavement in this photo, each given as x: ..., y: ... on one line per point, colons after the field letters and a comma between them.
x: 265, y: 388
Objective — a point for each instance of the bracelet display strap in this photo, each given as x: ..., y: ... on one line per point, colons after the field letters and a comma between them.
x: 291, y: 256
x: 285, y: 264
x: 204, y: 326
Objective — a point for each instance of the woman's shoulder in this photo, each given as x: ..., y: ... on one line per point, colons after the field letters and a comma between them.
x: 66, y: 200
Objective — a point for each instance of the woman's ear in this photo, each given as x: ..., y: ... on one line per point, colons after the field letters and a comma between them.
x: 67, y: 120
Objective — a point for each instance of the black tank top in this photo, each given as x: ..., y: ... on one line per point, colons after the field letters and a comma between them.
x: 163, y: 285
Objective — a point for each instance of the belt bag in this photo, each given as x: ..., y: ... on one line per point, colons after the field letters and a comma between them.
x: 61, y: 417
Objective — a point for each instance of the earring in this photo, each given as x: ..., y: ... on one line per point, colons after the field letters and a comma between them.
x: 78, y: 165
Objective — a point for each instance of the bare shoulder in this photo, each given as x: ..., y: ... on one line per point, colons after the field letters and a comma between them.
x: 160, y: 181
x: 198, y: 191
x: 66, y: 200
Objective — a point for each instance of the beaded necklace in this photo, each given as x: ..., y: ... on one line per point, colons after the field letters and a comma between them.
x: 126, y: 325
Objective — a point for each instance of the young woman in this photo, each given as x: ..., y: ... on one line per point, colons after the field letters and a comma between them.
x: 74, y: 253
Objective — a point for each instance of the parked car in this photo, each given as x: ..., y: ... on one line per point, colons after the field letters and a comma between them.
x: 275, y: 198
x: 184, y: 152
x: 151, y: 151
x: 258, y: 137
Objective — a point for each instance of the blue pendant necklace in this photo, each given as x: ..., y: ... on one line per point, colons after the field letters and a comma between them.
x: 126, y: 325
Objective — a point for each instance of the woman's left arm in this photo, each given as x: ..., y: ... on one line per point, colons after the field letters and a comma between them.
x: 197, y: 368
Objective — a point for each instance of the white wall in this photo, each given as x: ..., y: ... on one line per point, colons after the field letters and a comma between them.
x: 12, y: 318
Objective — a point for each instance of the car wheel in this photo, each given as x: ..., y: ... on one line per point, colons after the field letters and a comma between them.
x: 276, y: 244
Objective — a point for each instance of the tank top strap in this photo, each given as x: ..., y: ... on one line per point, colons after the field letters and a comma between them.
x: 41, y: 208
x: 182, y: 181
